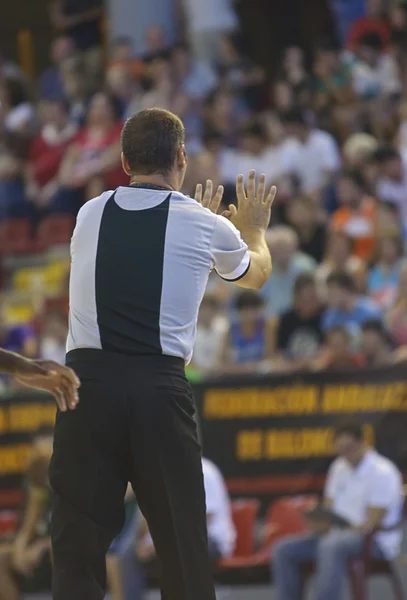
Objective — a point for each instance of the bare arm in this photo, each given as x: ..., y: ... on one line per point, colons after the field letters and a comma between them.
x: 30, y: 519
x: 374, y: 516
x: 252, y: 218
x: 60, y: 21
x: 68, y: 163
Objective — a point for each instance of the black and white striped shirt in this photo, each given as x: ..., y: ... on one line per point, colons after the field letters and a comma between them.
x: 140, y: 261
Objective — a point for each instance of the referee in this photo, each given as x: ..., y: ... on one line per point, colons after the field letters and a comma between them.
x: 141, y: 257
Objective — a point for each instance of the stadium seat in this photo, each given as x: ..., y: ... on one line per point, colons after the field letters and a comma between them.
x: 244, y: 514
x: 15, y: 236
x: 54, y: 230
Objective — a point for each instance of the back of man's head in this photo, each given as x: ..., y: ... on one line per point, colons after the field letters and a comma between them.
x: 150, y: 141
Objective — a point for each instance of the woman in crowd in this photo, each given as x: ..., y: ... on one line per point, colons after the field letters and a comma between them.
x: 92, y: 163
x: 384, y: 276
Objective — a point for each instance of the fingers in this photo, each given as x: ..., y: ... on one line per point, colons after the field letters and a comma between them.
x: 217, y: 199
x: 232, y: 210
x: 261, y: 188
x: 198, y: 193
x: 270, y: 198
x: 60, y: 399
x: 240, y: 192
x: 207, y: 197
x: 70, y: 394
x: 251, y: 186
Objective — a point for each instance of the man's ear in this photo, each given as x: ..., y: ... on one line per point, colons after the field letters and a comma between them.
x: 182, y: 158
x: 125, y: 165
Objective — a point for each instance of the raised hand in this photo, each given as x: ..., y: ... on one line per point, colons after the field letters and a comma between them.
x: 208, y: 200
x: 253, y: 209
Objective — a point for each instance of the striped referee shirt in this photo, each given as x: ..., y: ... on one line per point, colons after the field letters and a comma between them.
x: 140, y: 261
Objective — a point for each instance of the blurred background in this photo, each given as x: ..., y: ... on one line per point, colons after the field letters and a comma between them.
x: 313, y: 94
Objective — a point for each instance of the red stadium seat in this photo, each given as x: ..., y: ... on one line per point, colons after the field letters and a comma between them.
x: 15, y: 236
x: 244, y: 513
x: 53, y: 231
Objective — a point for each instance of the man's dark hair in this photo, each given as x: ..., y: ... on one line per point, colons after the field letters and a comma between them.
x: 354, y: 176
x: 150, y: 140
x: 378, y: 327
x: 350, y: 427
x: 294, y: 116
x: 249, y: 299
x: 383, y: 155
x: 372, y: 40
x: 303, y: 280
x: 342, y: 280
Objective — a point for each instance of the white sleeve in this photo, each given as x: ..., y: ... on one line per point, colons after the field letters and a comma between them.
x: 384, y: 490
x: 230, y: 254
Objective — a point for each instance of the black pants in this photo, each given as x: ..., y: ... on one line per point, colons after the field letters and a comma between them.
x: 134, y: 423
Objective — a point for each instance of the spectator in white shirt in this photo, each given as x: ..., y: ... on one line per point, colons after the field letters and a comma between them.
x: 136, y: 557
x: 364, y: 491
x: 374, y: 72
x: 315, y: 158
x: 207, y: 21
x: 392, y: 181
x: 211, y: 329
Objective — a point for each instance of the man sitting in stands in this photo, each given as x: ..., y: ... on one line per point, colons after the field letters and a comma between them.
x: 363, y: 491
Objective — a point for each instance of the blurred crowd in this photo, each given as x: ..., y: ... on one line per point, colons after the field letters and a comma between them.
x: 330, y: 130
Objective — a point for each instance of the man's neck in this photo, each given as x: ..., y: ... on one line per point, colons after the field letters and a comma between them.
x: 157, y: 179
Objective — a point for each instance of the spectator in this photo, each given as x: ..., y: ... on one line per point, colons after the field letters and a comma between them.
x: 385, y: 274
x: 293, y: 69
x: 76, y: 86
x: 364, y: 490
x: 356, y: 214
x: 288, y: 263
x: 376, y: 346
x: 396, y: 317
x: 197, y: 79
x: 339, y: 258
x: 282, y: 96
x: 138, y: 557
x: 346, y: 12
x: 299, y: 330
x: 79, y: 20
x: 53, y: 337
x: 225, y: 113
x: 303, y: 215
x: 25, y: 564
x: 346, y: 307
x: 338, y: 354
x: 334, y: 98
x: 207, y: 23
x: 238, y: 71
x: 373, y: 22
x: 392, y: 182
x: 50, y: 84
x: 316, y: 157
x: 374, y: 72
x: 92, y: 162
x: 357, y: 148
x: 211, y: 330
x: 18, y: 110
x: 248, y: 345
x: 47, y: 151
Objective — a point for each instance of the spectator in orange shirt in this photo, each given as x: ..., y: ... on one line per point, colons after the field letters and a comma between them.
x: 356, y: 215
x: 373, y: 22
